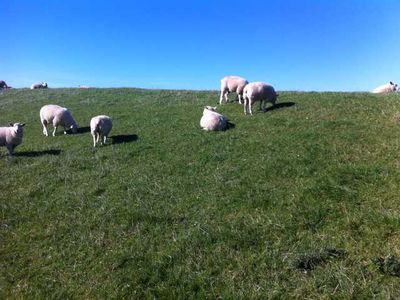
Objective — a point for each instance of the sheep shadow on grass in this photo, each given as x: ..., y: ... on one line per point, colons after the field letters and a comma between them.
x: 123, y: 138
x: 81, y: 130
x: 279, y: 105
x: 38, y: 153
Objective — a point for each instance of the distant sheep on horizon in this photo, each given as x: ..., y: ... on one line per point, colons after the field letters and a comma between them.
x: 3, y: 85
x: 386, y: 88
x: 232, y: 84
x: 39, y: 85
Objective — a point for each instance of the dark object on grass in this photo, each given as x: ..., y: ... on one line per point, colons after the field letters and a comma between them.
x: 123, y: 138
x: 308, y: 262
x: 38, y: 153
x: 83, y: 129
x: 279, y: 105
x: 389, y: 265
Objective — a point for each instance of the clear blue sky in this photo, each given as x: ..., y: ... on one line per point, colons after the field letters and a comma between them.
x: 346, y: 45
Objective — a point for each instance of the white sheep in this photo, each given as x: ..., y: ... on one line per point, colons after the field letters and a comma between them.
x: 230, y: 84
x: 211, y: 120
x: 258, y: 91
x: 100, y: 127
x: 11, y: 136
x: 386, y: 88
x: 58, y: 116
x: 40, y: 85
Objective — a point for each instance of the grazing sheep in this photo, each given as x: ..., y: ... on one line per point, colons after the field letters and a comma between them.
x: 258, y: 91
x: 100, y: 127
x: 386, y: 88
x: 58, y: 116
x: 11, y: 136
x: 42, y: 85
x: 211, y: 120
x: 3, y: 85
x: 230, y: 84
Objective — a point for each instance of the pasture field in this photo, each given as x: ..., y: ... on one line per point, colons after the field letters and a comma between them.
x: 302, y: 201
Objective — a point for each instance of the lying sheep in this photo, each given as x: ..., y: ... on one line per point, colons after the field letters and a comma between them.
x: 58, y: 116
x: 41, y: 85
x: 386, y: 88
x: 11, y: 136
x: 230, y: 84
x: 258, y: 91
x: 100, y: 127
x: 211, y: 120
x: 3, y: 85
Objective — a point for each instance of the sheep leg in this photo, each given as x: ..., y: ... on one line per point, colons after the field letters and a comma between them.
x: 45, y: 130
x: 10, y: 149
x: 94, y: 140
x: 250, y: 103
x: 221, y: 97
x: 245, y: 105
x: 226, y: 97
x: 262, y: 105
x: 54, y: 131
x: 240, y: 100
x: 105, y: 140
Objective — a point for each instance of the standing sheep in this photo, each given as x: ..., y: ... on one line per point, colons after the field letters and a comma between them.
x: 258, y: 91
x: 100, y: 127
x: 3, y: 85
x: 58, y: 116
x: 386, y: 88
x: 230, y: 84
x: 40, y: 85
x: 11, y: 136
x: 211, y: 120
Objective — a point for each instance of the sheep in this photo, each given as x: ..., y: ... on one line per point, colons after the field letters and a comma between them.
x: 211, y: 120
x: 230, y: 84
x: 3, y: 85
x: 258, y: 91
x: 57, y: 115
x: 40, y: 85
x: 100, y: 127
x: 11, y: 136
x: 386, y: 88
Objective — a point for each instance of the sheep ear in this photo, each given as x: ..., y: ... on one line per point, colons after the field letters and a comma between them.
x: 391, y: 83
x: 10, y: 124
x: 23, y: 124
x: 215, y: 108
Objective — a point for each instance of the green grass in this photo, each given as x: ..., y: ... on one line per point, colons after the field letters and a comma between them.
x: 179, y: 213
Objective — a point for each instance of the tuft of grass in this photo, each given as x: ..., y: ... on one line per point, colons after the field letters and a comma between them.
x: 167, y: 210
x: 308, y: 262
x: 389, y: 265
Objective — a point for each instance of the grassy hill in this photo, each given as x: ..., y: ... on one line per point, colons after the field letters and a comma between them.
x: 300, y: 201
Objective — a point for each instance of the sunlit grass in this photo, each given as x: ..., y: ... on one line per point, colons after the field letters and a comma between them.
x: 167, y: 210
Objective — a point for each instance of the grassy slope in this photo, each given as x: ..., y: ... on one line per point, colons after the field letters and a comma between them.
x: 178, y: 212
